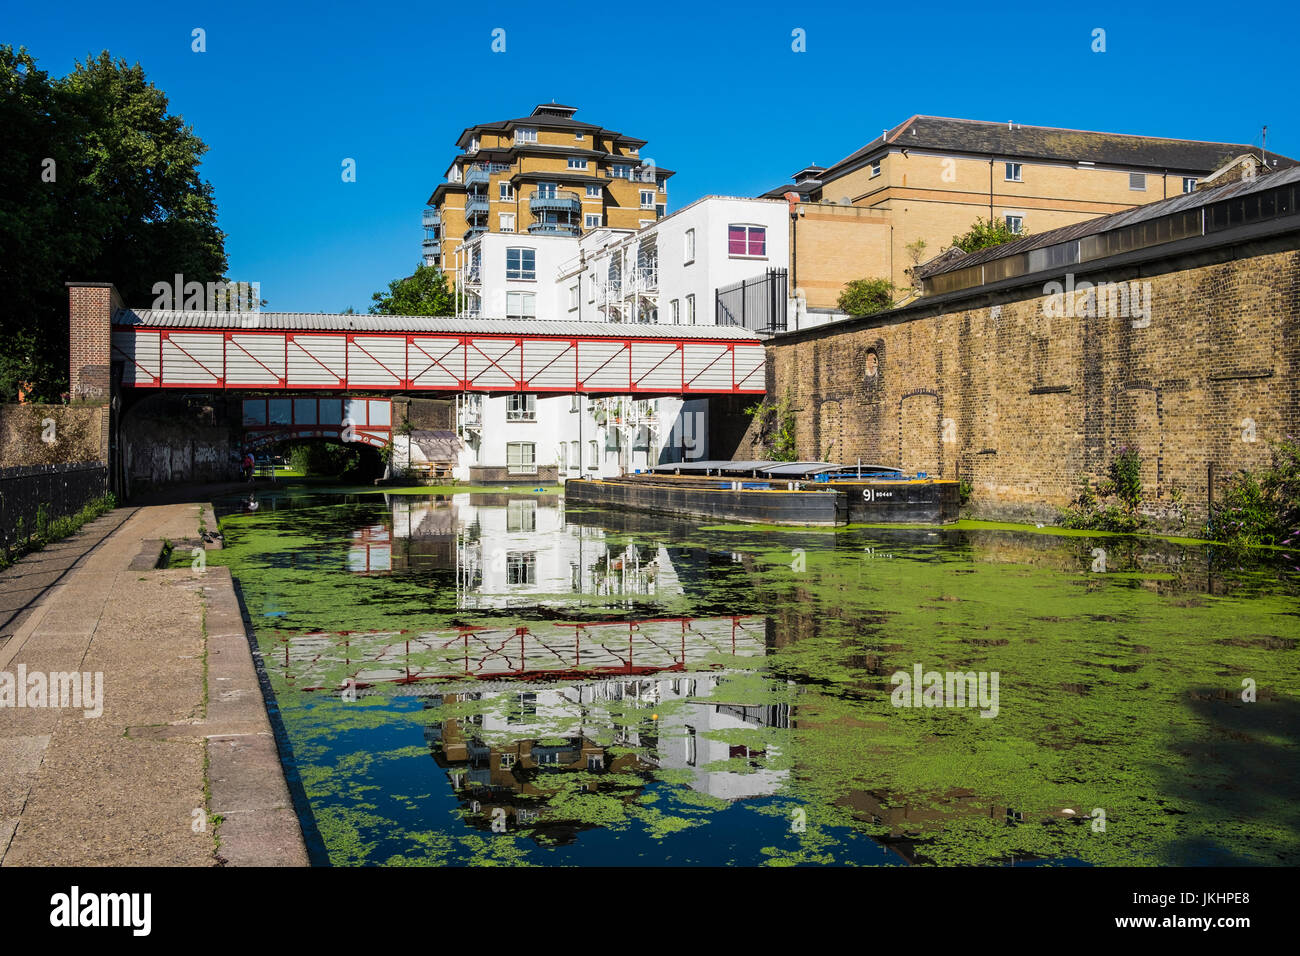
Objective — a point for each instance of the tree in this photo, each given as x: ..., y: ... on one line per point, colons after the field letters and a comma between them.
x: 984, y: 233
x: 427, y: 292
x: 866, y: 296
x: 97, y: 182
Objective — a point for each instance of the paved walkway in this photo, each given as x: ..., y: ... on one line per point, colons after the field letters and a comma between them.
x: 183, y: 734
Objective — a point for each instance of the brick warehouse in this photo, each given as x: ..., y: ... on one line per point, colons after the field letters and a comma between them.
x: 988, y: 378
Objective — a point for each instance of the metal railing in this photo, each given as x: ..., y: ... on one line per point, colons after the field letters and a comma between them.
x: 758, y: 304
x: 560, y: 201
x: 555, y: 228
x: 432, y: 217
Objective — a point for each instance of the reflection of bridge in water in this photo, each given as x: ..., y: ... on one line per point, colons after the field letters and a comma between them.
x: 537, y: 652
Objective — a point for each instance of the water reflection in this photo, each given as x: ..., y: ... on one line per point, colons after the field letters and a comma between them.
x: 491, y: 679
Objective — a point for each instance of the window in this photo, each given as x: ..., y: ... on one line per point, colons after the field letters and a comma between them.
x: 507, y: 191
x: 661, y: 182
x: 1137, y: 181
x: 521, y: 515
x: 690, y: 310
x: 593, y: 452
x: 578, y: 137
x: 473, y: 145
x: 521, y: 305
x: 660, y: 210
x: 521, y: 408
x: 576, y: 162
x: 521, y: 458
x: 1013, y: 173
x: 675, y: 312
x: 525, y: 135
x: 690, y: 247
x: 747, y: 240
x: 592, y: 220
x: 575, y: 456
x: 622, y: 172
x: 521, y: 568
x: 546, y: 190
x: 453, y: 174
x: 875, y: 169
x: 1015, y: 223
x: 521, y: 263
x: 594, y: 192
x: 573, y: 297
x: 507, y: 221
x: 1189, y: 184
x: 647, y: 199
x: 575, y: 403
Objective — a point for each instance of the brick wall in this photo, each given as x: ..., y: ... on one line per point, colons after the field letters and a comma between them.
x: 90, y: 315
x: 996, y: 390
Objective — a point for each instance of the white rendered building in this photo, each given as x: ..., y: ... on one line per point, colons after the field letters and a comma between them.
x: 668, y: 272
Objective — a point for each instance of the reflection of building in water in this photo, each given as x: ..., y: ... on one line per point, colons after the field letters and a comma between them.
x: 511, y: 551
x: 371, y: 550
x: 511, y: 753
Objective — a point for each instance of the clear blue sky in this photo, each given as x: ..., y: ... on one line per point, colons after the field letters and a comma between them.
x: 285, y: 92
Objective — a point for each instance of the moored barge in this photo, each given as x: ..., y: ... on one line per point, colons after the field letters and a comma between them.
x: 814, y: 493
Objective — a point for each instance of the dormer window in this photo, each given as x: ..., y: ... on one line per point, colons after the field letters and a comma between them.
x: 473, y: 145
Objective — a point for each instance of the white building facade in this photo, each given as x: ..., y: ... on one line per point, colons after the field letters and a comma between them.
x: 667, y: 272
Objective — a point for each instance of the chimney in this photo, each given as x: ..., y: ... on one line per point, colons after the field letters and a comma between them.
x: 91, y: 306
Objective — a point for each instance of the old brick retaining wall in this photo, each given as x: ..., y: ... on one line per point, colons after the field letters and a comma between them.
x: 1000, y: 389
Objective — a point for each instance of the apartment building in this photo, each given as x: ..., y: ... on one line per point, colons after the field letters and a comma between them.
x: 930, y: 178
x: 668, y: 272
x: 545, y: 174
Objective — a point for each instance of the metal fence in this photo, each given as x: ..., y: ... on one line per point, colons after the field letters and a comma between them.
x: 30, y: 493
x: 757, y: 304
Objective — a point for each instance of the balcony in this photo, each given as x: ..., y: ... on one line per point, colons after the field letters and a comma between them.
x: 555, y: 229
x: 555, y: 202
x: 432, y: 247
x: 473, y: 232
x: 477, y: 176
x: 476, y: 205
x: 432, y: 217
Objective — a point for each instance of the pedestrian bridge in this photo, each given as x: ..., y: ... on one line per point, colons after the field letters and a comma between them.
x: 296, y: 350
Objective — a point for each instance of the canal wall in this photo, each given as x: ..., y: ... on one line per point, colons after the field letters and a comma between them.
x: 999, y: 388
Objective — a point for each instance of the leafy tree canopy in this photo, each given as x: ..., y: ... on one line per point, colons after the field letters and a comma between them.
x: 866, y: 296
x: 984, y: 233
x: 98, y: 182
x: 427, y: 292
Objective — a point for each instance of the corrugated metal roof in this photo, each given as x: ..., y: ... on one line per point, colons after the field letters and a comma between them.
x: 331, y: 322
x: 1116, y: 220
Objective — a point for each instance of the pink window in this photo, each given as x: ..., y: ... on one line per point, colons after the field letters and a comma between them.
x: 746, y: 240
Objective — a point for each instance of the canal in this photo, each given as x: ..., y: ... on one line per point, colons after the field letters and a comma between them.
x: 493, y: 679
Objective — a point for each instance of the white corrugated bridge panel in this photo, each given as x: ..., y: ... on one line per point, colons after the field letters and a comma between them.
x: 254, y: 359
x: 602, y: 365
x: 316, y: 360
x: 707, y: 366
x: 139, y: 353
x: 193, y: 358
x: 751, y: 367
x: 549, y: 363
x: 435, y: 362
x: 378, y: 360
x: 656, y: 365
x: 493, y: 363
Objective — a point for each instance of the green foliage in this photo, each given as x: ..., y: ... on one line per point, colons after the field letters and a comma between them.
x: 866, y: 296
x: 984, y: 233
x: 427, y: 292
x: 1264, y: 507
x: 324, y: 458
x: 965, y: 488
x: 1113, y: 504
x: 48, y: 530
x: 125, y: 204
x: 776, y: 428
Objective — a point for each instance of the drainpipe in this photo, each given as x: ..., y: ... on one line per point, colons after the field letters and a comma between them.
x: 990, y: 192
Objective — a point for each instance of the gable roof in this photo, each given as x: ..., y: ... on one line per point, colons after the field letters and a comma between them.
x: 1016, y: 141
